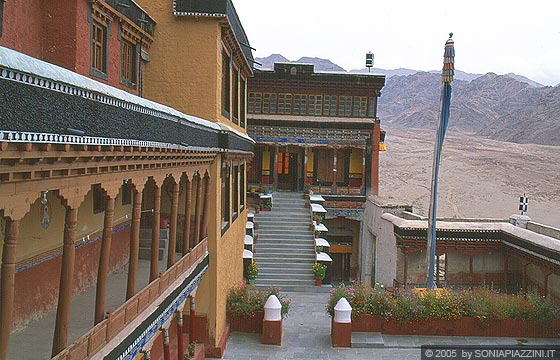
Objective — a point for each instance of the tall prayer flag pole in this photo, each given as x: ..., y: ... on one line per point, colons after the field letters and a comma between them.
x: 446, y: 79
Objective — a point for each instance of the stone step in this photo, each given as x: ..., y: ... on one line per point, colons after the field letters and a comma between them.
x: 367, y: 340
x: 267, y: 268
x: 271, y: 261
x: 146, y: 253
x: 283, y: 246
x: 281, y: 276
x: 299, y: 288
x: 147, y: 233
x: 147, y: 243
x: 283, y: 255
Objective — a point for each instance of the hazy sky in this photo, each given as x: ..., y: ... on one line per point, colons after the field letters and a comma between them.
x: 492, y: 35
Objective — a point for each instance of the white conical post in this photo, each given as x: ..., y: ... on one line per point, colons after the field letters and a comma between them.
x: 343, y: 311
x: 272, y: 309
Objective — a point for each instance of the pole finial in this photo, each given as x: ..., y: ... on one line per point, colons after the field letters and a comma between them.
x: 448, y: 61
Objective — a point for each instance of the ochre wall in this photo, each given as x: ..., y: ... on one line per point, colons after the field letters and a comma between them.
x: 226, y: 262
x: 185, y: 62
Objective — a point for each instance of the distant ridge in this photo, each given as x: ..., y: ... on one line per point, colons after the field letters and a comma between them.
x: 506, y: 107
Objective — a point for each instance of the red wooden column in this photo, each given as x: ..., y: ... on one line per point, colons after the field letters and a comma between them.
x: 405, y: 268
x: 187, y: 228
x: 192, y: 316
x: 134, y: 244
x: 180, y: 342
x: 334, y: 171
x: 363, y: 186
x: 166, y: 347
x: 104, y: 255
x: 274, y: 170
x: 197, y: 210
x: 305, y: 161
x: 206, y: 204
x: 154, y: 259
x: 506, y: 258
x: 524, y: 277
x: 173, y: 225
x: 471, y: 275
x: 545, y: 285
x: 437, y: 271
x: 7, y: 284
x: 66, y: 277
x: 375, y: 159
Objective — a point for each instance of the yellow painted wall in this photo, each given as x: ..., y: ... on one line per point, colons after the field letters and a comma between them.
x: 266, y: 160
x: 356, y: 159
x: 185, y: 61
x: 34, y: 240
x: 226, y: 261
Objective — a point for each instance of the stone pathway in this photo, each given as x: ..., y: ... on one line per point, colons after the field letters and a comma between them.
x: 307, y: 336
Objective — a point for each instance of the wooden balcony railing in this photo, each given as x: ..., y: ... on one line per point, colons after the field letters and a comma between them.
x: 101, y: 334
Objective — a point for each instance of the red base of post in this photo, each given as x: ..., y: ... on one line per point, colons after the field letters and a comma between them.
x: 272, y: 332
x: 341, y: 334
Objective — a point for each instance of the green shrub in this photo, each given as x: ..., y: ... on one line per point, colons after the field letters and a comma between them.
x: 480, y: 303
x: 246, y: 301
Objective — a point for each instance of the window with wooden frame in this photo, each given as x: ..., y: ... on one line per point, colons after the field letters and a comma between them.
x: 243, y: 103
x: 99, y: 48
x: 284, y: 103
x: 329, y: 105
x: 359, y: 106
x: 235, y: 194
x: 300, y: 104
x: 255, y: 103
x: 242, y: 186
x: 371, y: 107
x: 315, y: 104
x: 99, y: 198
x: 269, y: 103
x: 128, y: 63
x: 235, y: 96
x: 226, y: 83
x: 345, y: 106
x: 226, y: 189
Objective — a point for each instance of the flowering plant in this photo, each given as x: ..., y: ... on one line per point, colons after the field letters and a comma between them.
x: 244, y: 300
x: 252, y: 271
x: 480, y: 303
x: 320, y: 270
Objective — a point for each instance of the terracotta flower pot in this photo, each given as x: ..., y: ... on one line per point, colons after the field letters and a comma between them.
x: 318, y: 282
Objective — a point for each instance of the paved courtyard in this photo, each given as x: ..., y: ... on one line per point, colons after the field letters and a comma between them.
x: 307, y: 336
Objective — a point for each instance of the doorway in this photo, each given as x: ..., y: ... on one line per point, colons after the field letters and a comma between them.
x: 287, y: 170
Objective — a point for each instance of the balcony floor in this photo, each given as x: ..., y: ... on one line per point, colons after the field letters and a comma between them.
x: 34, y: 341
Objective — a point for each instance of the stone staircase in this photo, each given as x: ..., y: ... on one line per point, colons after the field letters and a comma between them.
x: 285, y: 249
x: 146, y: 243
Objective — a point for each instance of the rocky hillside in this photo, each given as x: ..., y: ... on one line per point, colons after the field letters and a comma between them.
x: 495, y: 106
x: 320, y: 64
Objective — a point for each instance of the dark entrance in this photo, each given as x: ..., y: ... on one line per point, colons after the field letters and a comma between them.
x: 287, y: 170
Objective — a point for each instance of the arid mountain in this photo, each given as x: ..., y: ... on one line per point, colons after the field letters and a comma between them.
x: 268, y: 62
x: 320, y: 64
x: 495, y: 106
